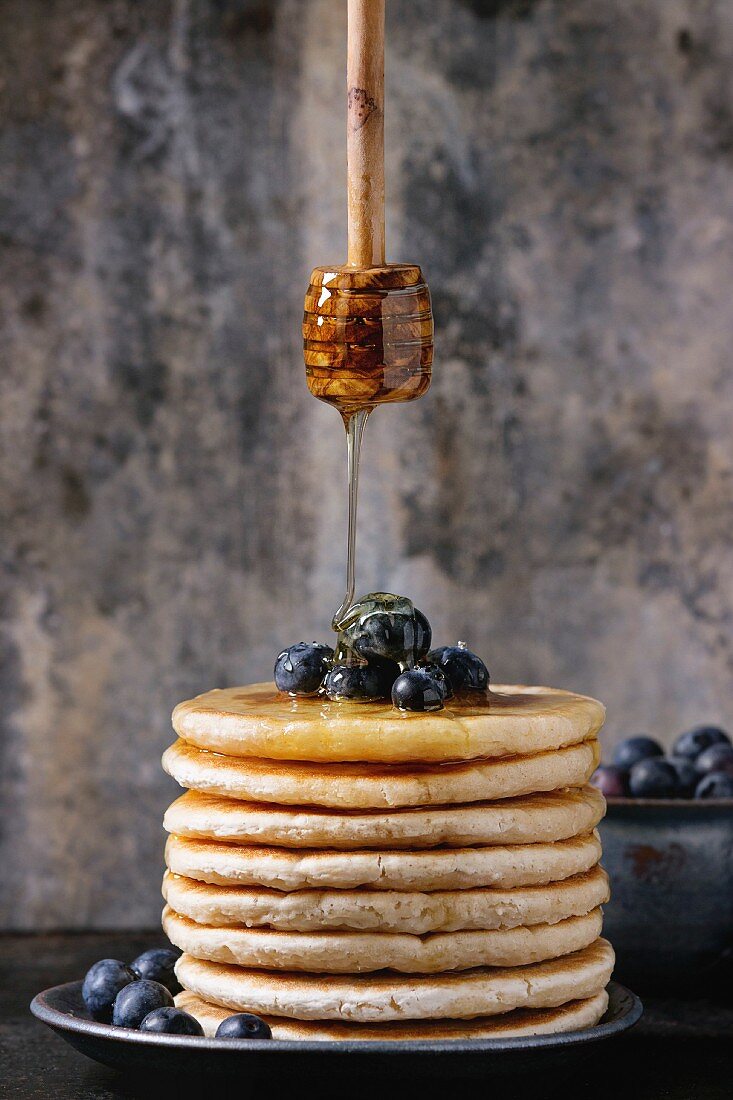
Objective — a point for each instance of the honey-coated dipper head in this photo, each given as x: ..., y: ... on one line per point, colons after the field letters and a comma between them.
x: 367, y: 335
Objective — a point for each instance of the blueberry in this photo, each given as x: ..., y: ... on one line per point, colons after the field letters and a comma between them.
x: 715, y: 785
x: 465, y: 671
x: 243, y: 1026
x: 157, y: 965
x: 695, y: 741
x: 634, y: 749
x: 171, y: 1021
x: 416, y: 689
x: 102, y: 983
x: 437, y: 673
x: 134, y: 1002
x: 718, y: 758
x: 362, y: 683
x: 301, y: 669
x: 394, y: 630
x: 687, y: 776
x: 610, y: 781
x: 653, y: 778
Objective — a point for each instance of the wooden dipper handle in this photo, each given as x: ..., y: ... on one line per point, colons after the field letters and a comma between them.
x: 365, y: 133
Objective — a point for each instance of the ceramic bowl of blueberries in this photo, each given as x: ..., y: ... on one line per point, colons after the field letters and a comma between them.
x: 668, y: 848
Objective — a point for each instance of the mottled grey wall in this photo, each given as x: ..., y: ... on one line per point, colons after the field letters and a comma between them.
x: 173, y: 498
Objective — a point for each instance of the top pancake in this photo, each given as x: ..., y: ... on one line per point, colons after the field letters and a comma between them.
x: 259, y: 721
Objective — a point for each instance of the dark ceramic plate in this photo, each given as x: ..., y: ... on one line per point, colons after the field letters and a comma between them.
x: 63, y: 1010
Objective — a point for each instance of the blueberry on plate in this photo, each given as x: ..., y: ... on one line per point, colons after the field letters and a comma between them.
x: 612, y: 782
x: 362, y: 683
x: 102, y: 982
x: 653, y: 778
x: 171, y: 1021
x: 243, y: 1026
x: 388, y: 627
x: 134, y: 1002
x: 687, y: 775
x: 416, y: 689
x: 157, y: 965
x: 718, y: 758
x: 302, y: 668
x: 715, y: 785
x: 695, y: 741
x: 465, y: 671
x: 634, y: 749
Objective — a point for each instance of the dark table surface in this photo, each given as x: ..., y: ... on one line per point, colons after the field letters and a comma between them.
x: 682, y: 1050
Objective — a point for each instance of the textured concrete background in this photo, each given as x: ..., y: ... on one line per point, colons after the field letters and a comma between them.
x: 173, y: 498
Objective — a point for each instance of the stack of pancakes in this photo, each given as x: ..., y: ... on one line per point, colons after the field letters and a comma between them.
x: 347, y: 871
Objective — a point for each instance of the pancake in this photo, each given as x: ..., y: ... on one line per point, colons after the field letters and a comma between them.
x: 383, y: 997
x: 522, y: 1021
x: 386, y: 910
x: 524, y: 820
x: 375, y: 786
x: 361, y: 952
x: 432, y: 869
x: 257, y: 720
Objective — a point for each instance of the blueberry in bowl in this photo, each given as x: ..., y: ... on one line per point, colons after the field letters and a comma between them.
x: 634, y: 749
x: 611, y: 781
x: 715, y: 785
x: 653, y: 777
x: 695, y: 741
x: 717, y: 758
x: 687, y: 775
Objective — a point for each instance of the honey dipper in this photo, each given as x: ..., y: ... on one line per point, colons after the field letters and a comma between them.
x: 367, y: 324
